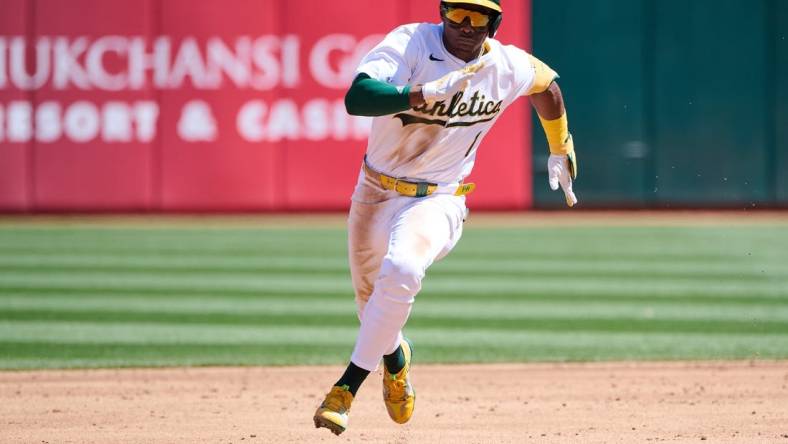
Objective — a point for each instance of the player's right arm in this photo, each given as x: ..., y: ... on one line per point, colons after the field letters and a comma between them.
x: 382, y: 84
x: 370, y: 97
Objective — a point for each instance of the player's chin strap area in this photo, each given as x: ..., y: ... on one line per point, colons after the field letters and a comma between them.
x: 417, y: 189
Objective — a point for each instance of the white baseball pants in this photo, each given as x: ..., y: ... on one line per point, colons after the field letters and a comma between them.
x: 392, y: 240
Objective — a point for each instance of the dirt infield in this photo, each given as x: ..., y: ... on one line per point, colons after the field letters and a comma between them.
x: 542, y: 403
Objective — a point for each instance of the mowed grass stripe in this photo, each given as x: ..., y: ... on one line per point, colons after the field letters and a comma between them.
x: 31, y: 355
x: 738, y: 302
x: 154, y: 263
x: 426, y: 308
x: 174, y: 333
x: 200, y: 346
x: 27, y: 355
x: 756, y: 276
x: 481, y: 254
x: 174, y: 241
x: 579, y: 242
x: 478, y: 285
x: 533, y: 323
x: 460, y: 261
x: 209, y: 334
x: 691, y: 270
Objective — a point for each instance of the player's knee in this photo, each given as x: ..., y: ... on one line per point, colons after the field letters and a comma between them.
x: 400, y: 279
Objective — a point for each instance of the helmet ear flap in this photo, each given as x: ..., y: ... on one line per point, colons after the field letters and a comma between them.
x: 495, y: 24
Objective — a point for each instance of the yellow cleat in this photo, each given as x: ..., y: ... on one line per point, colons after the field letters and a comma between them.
x: 333, y: 412
x: 398, y: 394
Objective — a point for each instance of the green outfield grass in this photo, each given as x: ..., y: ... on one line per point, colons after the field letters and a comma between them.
x: 106, y: 296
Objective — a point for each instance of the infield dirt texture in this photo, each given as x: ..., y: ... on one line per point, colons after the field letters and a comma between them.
x: 620, y: 327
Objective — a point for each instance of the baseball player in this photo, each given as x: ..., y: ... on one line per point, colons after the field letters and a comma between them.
x: 435, y: 91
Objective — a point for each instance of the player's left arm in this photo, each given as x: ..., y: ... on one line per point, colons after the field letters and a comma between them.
x: 547, y: 99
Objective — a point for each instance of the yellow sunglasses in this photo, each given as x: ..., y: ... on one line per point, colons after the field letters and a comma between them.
x: 458, y: 15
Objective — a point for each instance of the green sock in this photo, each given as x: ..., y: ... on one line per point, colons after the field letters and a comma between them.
x: 353, y: 378
x: 395, y: 361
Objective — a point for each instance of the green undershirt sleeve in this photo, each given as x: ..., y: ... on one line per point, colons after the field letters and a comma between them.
x: 371, y: 98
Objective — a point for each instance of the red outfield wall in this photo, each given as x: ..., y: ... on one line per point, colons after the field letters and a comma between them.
x: 216, y: 105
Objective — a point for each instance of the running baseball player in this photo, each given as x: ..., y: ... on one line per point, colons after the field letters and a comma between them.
x: 435, y: 91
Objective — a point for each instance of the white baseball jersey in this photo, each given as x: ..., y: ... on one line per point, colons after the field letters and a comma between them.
x: 437, y: 142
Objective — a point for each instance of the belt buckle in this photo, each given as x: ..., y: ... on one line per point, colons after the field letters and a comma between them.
x: 387, y: 182
x: 402, y: 187
x: 396, y: 188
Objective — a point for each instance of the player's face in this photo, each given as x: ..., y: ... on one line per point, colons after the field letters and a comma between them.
x: 464, y: 29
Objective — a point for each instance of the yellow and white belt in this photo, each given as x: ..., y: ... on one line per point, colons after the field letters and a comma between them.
x: 417, y: 189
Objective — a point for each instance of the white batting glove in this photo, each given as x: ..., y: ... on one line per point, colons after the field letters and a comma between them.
x: 450, y: 84
x: 561, y: 170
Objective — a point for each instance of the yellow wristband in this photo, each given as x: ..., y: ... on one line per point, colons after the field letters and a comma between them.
x: 558, y: 137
